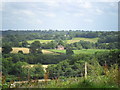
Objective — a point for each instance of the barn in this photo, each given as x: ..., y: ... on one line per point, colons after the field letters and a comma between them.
x: 60, y: 47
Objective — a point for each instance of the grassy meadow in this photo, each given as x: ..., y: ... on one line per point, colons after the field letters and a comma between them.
x: 57, y: 51
x: 42, y: 41
x: 84, y: 39
x: 83, y: 51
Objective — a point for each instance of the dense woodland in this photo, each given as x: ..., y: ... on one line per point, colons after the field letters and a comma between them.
x: 15, y: 66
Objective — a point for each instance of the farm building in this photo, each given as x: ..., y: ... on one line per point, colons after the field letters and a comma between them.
x: 60, y: 47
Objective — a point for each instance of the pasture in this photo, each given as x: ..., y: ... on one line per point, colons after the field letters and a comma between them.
x: 84, y: 39
x: 57, y: 51
x: 41, y: 41
x: 88, y: 51
x: 83, y: 51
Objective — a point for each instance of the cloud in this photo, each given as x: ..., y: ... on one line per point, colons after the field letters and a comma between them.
x: 39, y: 21
x: 50, y: 14
x: 68, y: 13
x: 27, y: 12
x: 52, y: 3
x: 107, y: 0
x: 114, y: 5
x: 86, y: 5
x: 88, y: 20
x: 78, y: 14
x: 59, y: 0
x: 1, y: 6
x: 35, y: 21
x: 99, y: 11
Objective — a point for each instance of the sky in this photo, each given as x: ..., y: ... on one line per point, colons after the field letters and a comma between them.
x: 60, y: 15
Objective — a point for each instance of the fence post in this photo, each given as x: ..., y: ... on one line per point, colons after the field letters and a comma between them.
x: 85, y: 70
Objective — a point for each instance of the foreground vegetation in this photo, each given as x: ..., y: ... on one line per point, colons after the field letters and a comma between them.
x: 102, y: 72
x: 73, y: 82
x: 88, y: 60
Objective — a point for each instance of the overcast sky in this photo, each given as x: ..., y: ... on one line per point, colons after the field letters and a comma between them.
x: 60, y: 14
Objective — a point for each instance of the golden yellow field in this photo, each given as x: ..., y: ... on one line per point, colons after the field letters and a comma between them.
x: 0, y: 49
x: 26, y: 50
x: 16, y: 49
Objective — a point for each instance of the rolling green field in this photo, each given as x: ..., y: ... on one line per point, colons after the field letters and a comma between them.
x: 83, y: 51
x: 68, y: 41
x: 84, y: 39
x: 89, y: 51
x: 42, y: 41
x: 59, y: 51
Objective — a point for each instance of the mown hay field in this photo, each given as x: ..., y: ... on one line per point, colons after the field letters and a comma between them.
x: 26, y: 50
x: 16, y: 49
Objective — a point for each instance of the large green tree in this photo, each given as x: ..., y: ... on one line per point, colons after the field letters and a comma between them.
x: 38, y: 71
x: 25, y: 44
x: 6, y: 49
x: 69, y: 51
x: 35, y: 47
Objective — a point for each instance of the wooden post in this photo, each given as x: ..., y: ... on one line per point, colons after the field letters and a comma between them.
x: 105, y: 68
x: 46, y: 77
x: 85, y: 70
x: 28, y: 75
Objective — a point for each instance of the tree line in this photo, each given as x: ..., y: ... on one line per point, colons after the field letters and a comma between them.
x: 106, y: 40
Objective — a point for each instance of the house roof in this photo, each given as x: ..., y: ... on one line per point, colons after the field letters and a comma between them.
x: 60, y: 46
